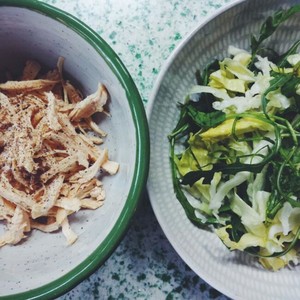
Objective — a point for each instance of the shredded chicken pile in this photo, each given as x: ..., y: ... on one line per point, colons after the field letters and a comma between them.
x: 49, y: 153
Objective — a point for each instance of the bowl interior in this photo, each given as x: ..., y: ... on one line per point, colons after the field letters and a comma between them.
x: 234, y: 274
x: 45, y: 257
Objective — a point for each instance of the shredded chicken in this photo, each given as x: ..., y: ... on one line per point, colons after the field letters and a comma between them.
x: 31, y: 70
x: 50, y: 159
x: 90, y: 105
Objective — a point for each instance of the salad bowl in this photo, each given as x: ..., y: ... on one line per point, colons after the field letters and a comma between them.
x: 236, y: 274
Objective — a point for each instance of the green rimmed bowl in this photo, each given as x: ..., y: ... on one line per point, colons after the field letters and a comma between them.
x: 44, y: 266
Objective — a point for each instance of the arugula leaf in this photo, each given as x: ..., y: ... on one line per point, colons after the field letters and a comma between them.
x: 289, y: 182
x: 289, y: 87
x: 205, y: 120
x: 182, y: 125
x: 282, y: 60
x: 271, y: 54
x: 189, y: 209
x: 297, y: 104
x: 275, y: 203
x: 295, y: 160
x: 279, y: 80
x: 284, y: 179
x: 210, y: 68
x: 270, y: 25
x: 191, y: 118
x: 288, y: 176
x: 238, y: 229
x: 191, y: 177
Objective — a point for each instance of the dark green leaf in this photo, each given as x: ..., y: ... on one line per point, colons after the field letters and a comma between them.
x: 188, y: 208
x: 183, y: 123
x: 284, y: 178
x: 277, y: 82
x: 288, y: 174
x: 271, y: 54
x: 212, y: 67
x: 238, y: 229
x: 274, y: 204
x: 191, y: 177
x: 297, y: 103
x: 288, y: 88
x: 205, y: 120
x: 283, y: 58
x: 270, y: 25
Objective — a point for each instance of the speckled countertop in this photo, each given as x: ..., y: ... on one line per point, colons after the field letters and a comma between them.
x: 143, y: 33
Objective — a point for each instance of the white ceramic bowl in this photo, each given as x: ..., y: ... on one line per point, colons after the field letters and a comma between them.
x: 237, y: 275
x: 43, y: 266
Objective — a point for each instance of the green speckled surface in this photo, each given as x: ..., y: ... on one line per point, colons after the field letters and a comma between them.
x: 143, y: 33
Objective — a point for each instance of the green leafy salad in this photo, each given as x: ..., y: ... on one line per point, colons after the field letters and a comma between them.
x: 235, y: 149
